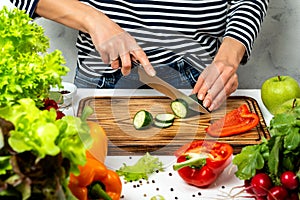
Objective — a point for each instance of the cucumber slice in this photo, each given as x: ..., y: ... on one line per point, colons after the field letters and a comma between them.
x: 162, y: 124
x: 165, y: 117
x: 180, y: 108
x: 142, y: 119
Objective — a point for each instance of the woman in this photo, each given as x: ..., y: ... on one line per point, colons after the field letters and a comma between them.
x: 190, y: 43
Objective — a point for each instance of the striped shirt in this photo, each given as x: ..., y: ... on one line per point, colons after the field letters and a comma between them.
x: 168, y: 30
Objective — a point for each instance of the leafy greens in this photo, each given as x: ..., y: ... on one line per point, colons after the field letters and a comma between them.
x: 37, y: 151
x: 144, y: 167
x: 38, y: 139
x: 278, y: 154
x: 26, y: 69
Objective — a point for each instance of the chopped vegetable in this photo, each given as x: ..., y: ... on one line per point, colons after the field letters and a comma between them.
x: 95, y: 181
x: 165, y: 117
x: 200, y: 162
x: 144, y: 167
x: 142, y: 119
x: 162, y: 124
x: 235, y: 122
x: 157, y: 197
x: 180, y: 108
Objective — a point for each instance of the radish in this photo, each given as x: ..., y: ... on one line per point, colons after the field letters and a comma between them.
x: 260, y: 184
x: 278, y: 193
x: 289, y: 180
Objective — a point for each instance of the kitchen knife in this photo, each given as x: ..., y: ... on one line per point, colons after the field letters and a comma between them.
x: 165, y: 88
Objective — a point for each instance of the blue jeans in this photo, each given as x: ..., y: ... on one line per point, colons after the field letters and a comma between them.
x: 180, y: 74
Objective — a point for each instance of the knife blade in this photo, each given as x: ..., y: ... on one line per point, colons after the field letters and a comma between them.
x: 165, y: 88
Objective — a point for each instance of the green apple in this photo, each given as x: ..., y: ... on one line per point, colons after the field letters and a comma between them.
x: 277, y: 90
x: 288, y: 105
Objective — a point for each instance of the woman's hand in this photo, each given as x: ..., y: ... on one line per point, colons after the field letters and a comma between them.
x: 116, y: 46
x: 219, y: 79
x: 215, y: 84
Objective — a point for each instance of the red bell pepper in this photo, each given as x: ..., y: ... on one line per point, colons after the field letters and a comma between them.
x: 235, y: 122
x: 199, y: 163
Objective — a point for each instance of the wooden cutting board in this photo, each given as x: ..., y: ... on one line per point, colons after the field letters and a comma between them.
x: 115, y: 115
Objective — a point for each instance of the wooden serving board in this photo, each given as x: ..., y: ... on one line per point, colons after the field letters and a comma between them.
x: 115, y: 115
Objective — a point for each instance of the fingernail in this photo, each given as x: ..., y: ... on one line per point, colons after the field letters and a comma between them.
x: 206, y: 103
x: 152, y: 72
x: 125, y: 73
x: 212, y: 106
x: 201, y: 97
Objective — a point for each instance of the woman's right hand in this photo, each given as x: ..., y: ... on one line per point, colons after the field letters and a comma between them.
x: 116, y: 46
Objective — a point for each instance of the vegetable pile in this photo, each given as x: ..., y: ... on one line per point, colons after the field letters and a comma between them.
x: 39, y: 146
x: 37, y: 151
x: 27, y: 70
x: 271, y: 169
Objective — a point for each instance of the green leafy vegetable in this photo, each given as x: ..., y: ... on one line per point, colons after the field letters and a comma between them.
x: 278, y: 154
x: 38, y: 131
x: 48, y: 147
x: 26, y: 69
x: 5, y: 164
x: 249, y: 160
x: 37, y: 151
x: 144, y: 167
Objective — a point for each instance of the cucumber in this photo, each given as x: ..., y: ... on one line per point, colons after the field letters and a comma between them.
x: 160, y: 124
x: 165, y: 117
x: 142, y: 119
x: 180, y: 108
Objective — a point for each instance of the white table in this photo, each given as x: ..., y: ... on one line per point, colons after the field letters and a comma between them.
x: 168, y: 183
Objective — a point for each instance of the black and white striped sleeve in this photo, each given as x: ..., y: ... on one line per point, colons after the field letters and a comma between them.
x: 28, y: 5
x: 244, y: 21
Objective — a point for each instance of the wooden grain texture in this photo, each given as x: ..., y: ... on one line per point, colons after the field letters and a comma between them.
x: 115, y: 115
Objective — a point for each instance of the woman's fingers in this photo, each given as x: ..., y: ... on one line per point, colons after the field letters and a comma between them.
x: 215, y: 84
x: 141, y: 57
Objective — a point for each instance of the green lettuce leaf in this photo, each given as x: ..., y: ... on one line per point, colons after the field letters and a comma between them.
x: 249, y: 161
x: 144, y: 167
x: 26, y: 69
x: 73, y: 140
x: 5, y: 164
x: 38, y: 131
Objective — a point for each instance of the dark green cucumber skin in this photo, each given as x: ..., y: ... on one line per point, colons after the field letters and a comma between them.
x: 183, y: 102
x: 194, y: 96
x: 149, y: 121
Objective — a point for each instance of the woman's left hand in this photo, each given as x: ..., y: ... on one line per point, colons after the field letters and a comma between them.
x: 219, y: 79
x: 215, y: 84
